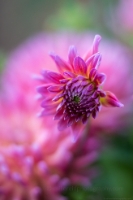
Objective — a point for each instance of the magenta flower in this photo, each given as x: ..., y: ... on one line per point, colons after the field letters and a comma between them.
x: 75, y: 93
x: 35, y: 161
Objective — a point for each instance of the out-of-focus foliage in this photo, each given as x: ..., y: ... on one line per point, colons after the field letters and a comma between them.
x: 2, y: 60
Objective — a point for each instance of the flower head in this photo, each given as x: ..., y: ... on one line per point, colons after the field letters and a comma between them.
x: 35, y: 161
x: 74, y: 94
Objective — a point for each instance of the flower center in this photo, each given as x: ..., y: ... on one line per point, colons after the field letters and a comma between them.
x: 81, y: 99
x: 76, y: 99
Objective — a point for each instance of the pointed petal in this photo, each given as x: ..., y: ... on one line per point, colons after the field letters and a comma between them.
x: 89, y: 60
x: 92, y: 74
x: 72, y: 54
x: 110, y: 100
x: 84, y: 119
x: 46, y: 102
x: 42, y: 89
x: 51, y: 76
x: 96, y: 61
x: 47, y: 112
x: 76, y: 129
x: 94, y: 113
x: 96, y: 42
x: 69, y: 74
x: 55, y: 88
x: 62, y: 124
x: 57, y: 97
x: 79, y: 66
x: 70, y: 121
x: 58, y: 114
x: 100, y: 79
x: 61, y: 64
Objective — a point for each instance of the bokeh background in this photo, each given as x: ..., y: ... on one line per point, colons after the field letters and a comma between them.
x: 21, y: 19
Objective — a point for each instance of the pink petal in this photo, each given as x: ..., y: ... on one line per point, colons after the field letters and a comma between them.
x: 42, y: 89
x: 51, y: 76
x: 58, y: 114
x: 111, y: 100
x: 54, y: 88
x: 92, y: 74
x: 47, y: 112
x: 89, y: 60
x: 76, y: 129
x: 62, y: 124
x: 100, y: 78
x: 69, y: 74
x: 57, y: 97
x: 96, y: 42
x: 96, y: 61
x: 79, y: 66
x: 72, y: 54
x: 70, y: 122
x: 84, y: 119
x: 46, y: 101
x: 61, y: 64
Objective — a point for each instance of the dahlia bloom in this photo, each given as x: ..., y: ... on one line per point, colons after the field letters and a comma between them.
x: 75, y: 93
x: 36, y: 161
x: 32, y: 56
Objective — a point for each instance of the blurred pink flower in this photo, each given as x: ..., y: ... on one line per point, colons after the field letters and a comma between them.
x: 74, y: 93
x: 36, y: 161
x: 125, y: 15
x: 32, y: 56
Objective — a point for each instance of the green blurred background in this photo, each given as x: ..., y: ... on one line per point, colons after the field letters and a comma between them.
x: 20, y: 19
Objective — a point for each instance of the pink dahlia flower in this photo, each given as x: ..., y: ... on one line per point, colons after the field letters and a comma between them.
x: 32, y: 56
x: 36, y: 161
x: 75, y: 93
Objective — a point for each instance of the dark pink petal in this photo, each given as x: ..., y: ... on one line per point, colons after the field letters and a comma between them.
x: 80, y: 66
x: 70, y: 122
x: 89, y: 60
x: 101, y: 93
x: 72, y: 54
x: 57, y: 97
x: 46, y: 102
x: 77, y: 128
x: 78, y: 118
x: 63, y: 81
x: 47, y: 112
x: 61, y: 64
x: 54, y: 88
x: 62, y: 124
x: 111, y: 100
x: 58, y: 114
x: 60, y: 105
x: 96, y: 61
x: 96, y: 42
x: 51, y: 76
x: 69, y: 74
x: 92, y: 74
x: 100, y: 78
x: 50, y: 107
x: 84, y: 119
x: 94, y: 113
x: 42, y: 89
